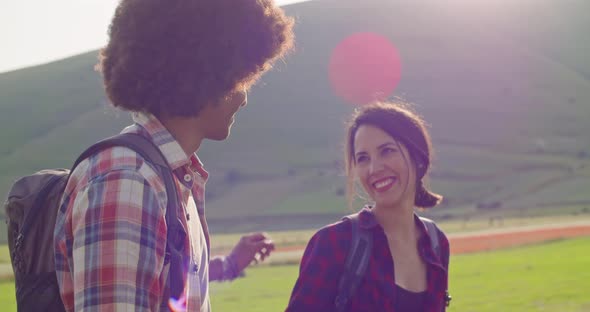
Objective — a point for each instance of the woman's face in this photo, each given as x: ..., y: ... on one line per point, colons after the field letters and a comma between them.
x: 383, y: 166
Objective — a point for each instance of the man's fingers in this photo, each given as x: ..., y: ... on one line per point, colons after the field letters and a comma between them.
x: 264, y: 253
x: 256, y: 237
x: 267, y: 244
x: 254, y: 259
x: 254, y: 247
x: 270, y: 245
x: 267, y: 250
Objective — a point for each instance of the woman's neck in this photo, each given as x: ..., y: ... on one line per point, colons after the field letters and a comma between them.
x: 397, y: 221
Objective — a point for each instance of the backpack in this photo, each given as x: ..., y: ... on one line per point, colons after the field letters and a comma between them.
x: 358, y: 257
x: 31, y: 210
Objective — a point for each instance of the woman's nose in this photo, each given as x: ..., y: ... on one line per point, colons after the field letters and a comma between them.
x: 375, y: 166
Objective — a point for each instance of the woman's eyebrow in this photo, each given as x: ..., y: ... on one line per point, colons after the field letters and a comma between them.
x: 387, y: 144
x: 360, y: 153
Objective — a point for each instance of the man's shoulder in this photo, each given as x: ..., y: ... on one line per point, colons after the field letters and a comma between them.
x: 113, y: 163
x: 110, y: 159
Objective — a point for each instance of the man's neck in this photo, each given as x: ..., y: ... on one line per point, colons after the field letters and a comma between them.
x: 186, y: 131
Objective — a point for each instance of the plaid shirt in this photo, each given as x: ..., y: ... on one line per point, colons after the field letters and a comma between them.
x: 110, y: 234
x: 323, y: 265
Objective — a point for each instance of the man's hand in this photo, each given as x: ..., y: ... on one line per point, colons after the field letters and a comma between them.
x: 251, y: 247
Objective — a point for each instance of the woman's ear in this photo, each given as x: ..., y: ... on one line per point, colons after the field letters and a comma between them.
x: 421, y: 167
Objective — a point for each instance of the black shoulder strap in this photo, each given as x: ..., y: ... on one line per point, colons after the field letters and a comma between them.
x: 138, y: 143
x: 356, y: 263
x: 175, y: 235
x: 433, y: 234
x: 434, y: 241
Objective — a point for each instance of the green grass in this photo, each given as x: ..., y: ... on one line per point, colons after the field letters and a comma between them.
x: 3, y: 233
x: 533, y: 278
x: 265, y: 289
x: 546, y: 277
x: 4, y: 255
x: 5, y: 266
x: 7, y: 299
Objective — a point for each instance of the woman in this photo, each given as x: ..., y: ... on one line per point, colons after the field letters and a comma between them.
x: 388, y: 152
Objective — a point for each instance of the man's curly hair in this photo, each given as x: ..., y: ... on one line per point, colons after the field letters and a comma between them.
x: 173, y: 57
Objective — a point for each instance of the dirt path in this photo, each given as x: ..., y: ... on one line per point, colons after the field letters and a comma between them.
x: 496, y: 239
x: 499, y: 238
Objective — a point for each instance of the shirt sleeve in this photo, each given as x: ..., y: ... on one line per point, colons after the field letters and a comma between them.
x: 319, y: 273
x: 119, y: 242
x: 216, y: 268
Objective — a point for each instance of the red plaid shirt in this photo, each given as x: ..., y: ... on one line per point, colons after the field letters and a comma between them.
x: 323, y: 263
x: 110, y: 234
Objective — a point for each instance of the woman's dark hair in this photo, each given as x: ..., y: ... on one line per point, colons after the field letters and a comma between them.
x: 407, y: 128
x: 173, y: 57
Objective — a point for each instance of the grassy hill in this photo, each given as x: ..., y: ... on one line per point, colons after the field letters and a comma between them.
x: 505, y: 87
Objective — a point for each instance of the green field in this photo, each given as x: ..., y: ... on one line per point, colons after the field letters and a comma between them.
x: 547, y: 277
x: 533, y: 278
x: 7, y: 300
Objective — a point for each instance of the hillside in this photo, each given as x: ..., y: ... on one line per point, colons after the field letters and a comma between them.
x: 505, y: 87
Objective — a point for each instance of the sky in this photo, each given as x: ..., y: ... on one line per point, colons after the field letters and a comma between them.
x: 34, y: 32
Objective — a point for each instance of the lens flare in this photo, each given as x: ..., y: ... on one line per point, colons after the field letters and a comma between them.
x: 364, y: 67
x: 177, y: 305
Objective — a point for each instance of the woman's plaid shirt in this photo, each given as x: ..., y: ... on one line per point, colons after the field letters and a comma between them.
x: 323, y: 263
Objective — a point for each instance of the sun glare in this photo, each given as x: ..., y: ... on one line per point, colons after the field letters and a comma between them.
x: 364, y: 67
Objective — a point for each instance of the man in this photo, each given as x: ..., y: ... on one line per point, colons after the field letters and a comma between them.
x: 183, y: 67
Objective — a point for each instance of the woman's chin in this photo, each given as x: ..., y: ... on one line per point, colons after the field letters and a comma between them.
x: 386, y: 200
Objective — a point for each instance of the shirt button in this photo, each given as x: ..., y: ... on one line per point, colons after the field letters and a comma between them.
x: 187, y: 177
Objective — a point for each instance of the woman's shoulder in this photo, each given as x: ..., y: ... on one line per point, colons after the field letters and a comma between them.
x: 334, y: 232
x: 336, y: 238
x: 332, y: 241
x: 429, y: 222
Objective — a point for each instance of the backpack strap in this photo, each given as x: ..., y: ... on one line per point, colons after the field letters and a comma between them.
x: 433, y: 234
x: 356, y: 263
x: 175, y: 234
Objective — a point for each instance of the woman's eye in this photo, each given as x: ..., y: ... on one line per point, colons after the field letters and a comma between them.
x: 388, y: 150
x: 361, y: 159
